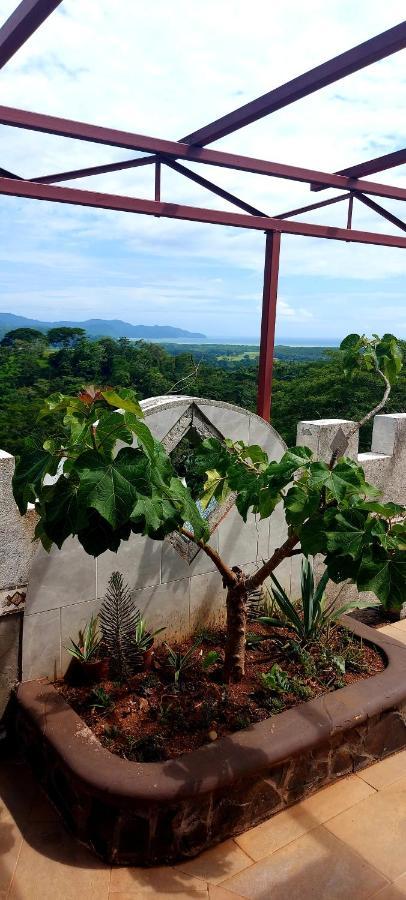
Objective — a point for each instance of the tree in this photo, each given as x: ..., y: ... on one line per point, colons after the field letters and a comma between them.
x: 64, y: 336
x: 102, y: 496
x: 24, y: 336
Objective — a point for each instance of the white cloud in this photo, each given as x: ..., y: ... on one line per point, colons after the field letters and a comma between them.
x: 165, y: 70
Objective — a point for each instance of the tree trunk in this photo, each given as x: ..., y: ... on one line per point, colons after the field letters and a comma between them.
x: 234, y: 663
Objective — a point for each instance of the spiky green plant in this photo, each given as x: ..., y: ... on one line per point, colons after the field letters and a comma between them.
x: 313, y: 614
x: 88, y: 643
x: 119, y: 619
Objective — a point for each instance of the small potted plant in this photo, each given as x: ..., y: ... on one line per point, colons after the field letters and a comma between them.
x: 87, y: 666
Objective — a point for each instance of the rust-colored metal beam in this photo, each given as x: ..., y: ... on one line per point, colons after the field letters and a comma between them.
x: 114, y: 138
x: 268, y: 323
x: 22, y: 23
x: 370, y: 167
x: 6, y: 174
x: 381, y: 211
x: 94, y: 170
x: 73, y: 196
x: 353, y: 60
x: 213, y: 188
x: 311, y: 206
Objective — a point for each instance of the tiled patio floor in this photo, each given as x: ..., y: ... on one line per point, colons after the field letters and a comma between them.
x: 348, y: 841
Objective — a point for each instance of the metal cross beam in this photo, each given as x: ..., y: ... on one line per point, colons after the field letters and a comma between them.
x: 312, y: 206
x: 22, y: 23
x: 213, y: 188
x: 93, y: 170
x: 381, y: 211
x: 370, y: 167
x: 114, y: 138
x: 73, y: 196
x: 345, y: 64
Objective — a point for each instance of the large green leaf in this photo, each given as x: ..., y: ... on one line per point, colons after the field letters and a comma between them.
x: 29, y: 474
x: 344, y: 481
x: 385, y: 575
x: 111, y: 486
x: 144, y: 437
x: 126, y: 400
x: 111, y: 427
x: 300, y: 503
x: 348, y: 535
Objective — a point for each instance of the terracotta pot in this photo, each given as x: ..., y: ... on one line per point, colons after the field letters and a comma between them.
x: 91, y: 672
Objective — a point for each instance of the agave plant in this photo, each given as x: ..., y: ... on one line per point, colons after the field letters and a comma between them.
x: 88, y: 644
x: 143, y: 638
x: 313, y: 614
x: 179, y: 662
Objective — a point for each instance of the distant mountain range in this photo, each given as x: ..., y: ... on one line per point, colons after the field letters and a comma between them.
x: 113, y: 328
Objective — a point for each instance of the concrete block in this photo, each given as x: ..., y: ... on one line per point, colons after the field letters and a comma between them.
x: 162, y: 413
x: 319, y: 435
x: 60, y: 577
x: 174, y: 567
x: 207, y: 601
x: 389, y: 434
x: 10, y: 652
x: 138, y: 560
x: 231, y: 421
x: 166, y: 605
x: 16, y: 532
x: 238, y: 542
x: 42, y: 645
x: 262, y: 433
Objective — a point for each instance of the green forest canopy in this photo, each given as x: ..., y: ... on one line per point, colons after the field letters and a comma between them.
x: 33, y: 365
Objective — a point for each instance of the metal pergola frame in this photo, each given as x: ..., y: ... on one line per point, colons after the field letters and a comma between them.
x: 30, y: 14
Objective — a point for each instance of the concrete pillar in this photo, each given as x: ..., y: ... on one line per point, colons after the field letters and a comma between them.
x: 322, y: 436
x: 16, y: 552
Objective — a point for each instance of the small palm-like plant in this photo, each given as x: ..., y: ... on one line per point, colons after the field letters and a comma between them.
x: 313, y: 614
x: 88, y: 644
x: 179, y: 662
x: 118, y: 620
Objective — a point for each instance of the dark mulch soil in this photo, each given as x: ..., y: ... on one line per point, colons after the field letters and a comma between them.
x: 149, y: 719
x: 374, y: 616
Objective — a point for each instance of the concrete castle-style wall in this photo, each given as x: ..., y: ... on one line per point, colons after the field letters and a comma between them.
x: 65, y: 587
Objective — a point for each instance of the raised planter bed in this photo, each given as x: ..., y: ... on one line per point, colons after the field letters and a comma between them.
x: 154, y: 813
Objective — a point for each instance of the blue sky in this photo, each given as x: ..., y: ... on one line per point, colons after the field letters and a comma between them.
x: 164, y: 70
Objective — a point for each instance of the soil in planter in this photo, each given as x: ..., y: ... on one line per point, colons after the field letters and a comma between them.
x: 374, y: 616
x: 149, y: 719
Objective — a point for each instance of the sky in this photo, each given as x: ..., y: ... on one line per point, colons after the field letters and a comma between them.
x: 165, y: 69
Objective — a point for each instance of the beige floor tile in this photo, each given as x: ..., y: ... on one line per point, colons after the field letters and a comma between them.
x: 394, y: 891
x: 376, y: 829
x: 218, y: 863
x: 316, y: 866
x: 53, y: 866
x: 386, y: 771
x: 398, y: 634
x: 150, y: 882
x: 290, y: 824
x: 17, y: 791
x: 400, y: 625
x: 162, y: 895
x: 10, y: 846
x: 217, y: 892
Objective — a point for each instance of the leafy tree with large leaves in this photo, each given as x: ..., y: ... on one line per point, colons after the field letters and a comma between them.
x: 83, y: 486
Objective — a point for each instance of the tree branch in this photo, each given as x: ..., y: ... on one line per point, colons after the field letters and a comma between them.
x: 369, y: 415
x: 277, y: 557
x: 229, y: 577
x: 185, y: 378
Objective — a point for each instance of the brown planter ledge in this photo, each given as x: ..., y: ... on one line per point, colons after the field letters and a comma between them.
x: 154, y: 813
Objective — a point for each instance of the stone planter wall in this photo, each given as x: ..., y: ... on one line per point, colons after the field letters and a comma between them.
x: 154, y: 813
